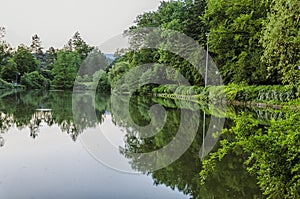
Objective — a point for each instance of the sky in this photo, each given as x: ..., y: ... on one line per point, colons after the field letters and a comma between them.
x: 56, y: 21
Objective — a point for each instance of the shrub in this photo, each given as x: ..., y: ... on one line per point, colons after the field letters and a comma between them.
x: 34, y: 80
x: 273, y: 150
x: 5, y: 85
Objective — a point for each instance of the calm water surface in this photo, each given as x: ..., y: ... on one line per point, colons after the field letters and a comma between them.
x: 43, y: 155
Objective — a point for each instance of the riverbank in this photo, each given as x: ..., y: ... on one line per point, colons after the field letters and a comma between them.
x: 253, y: 96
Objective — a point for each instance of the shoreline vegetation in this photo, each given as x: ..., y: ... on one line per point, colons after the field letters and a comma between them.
x: 254, y: 44
x: 275, y: 97
x: 254, y: 96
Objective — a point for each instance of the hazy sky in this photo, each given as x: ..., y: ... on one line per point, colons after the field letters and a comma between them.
x: 55, y: 21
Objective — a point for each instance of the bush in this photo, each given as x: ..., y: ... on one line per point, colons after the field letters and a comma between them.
x: 79, y: 79
x: 103, y: 81
x: 9, y: 72
x: 34, y: 80
x: 234, y: 92
x: 5, y: 85
x: 274, y: 153
x: 86, y: 78
x: 254, y: 93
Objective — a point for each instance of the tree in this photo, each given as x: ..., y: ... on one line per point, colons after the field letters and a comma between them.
x: 5, y: 48
x: 81, y: 46
x: 95, y: 61
x: 68, y: 46
x: 25, y: 61
x: 78, y: 44
x: 2, y: 34
x: 103, y: 83
x: 235, y: 30
x: 116, y: 73
x: 229, y: 179
x: 273, y: 152
x: 5, y: 53
x: 37, y: 51
x: 9, y: 71
x: 65, y: 69
x: 195, y: 13
x: 50, y: 56
x: 281, y: 41
x: 36, y: 45
x: 181, y: 16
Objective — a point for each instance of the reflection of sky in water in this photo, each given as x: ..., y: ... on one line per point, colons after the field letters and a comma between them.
x: 114, y: 134
x: 53, y: 166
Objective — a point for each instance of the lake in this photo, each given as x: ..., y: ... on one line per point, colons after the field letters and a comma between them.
x: 58, y: 144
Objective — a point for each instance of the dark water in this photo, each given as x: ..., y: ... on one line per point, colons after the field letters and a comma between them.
x: 47, y: 149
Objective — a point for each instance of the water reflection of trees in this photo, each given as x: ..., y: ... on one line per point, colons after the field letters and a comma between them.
x: 229, y: 180
x: 31, y: 109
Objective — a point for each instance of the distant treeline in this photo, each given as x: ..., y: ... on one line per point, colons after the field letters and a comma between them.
x: 35, y: 68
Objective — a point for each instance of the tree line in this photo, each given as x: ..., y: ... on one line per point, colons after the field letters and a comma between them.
x: 35, y: 68
x: 251, y: 42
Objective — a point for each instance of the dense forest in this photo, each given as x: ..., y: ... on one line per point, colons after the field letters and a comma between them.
x: 252, y: 42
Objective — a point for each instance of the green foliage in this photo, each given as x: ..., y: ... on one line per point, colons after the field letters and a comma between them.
x: 242, y: 34
x: 103, y: 82
x: 79, y: 45
x: 177, y: 90
x: 235, y: 30
x: 36, y: 45
x: 5, y: 48
x: 9, y: 71
x: 116, y: 73
x: 252, y: 43
x: 167, y: 89
x: 233, y: 92
x: 5, y: 85
x: 65, y: 69
x: 20, y: 110
x: 25, y: 61
x: 274, y: 153
x: 50, y: 56
x: 270, y: 94
x: 229, y: 179
x: 34, y: 80
x: 175, y: 15
x: 92, y: 63
x: 86, y: 78
x: 281, y: 41
x: 5, y: 53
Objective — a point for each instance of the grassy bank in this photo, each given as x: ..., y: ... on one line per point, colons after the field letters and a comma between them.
x: 262, y: 96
